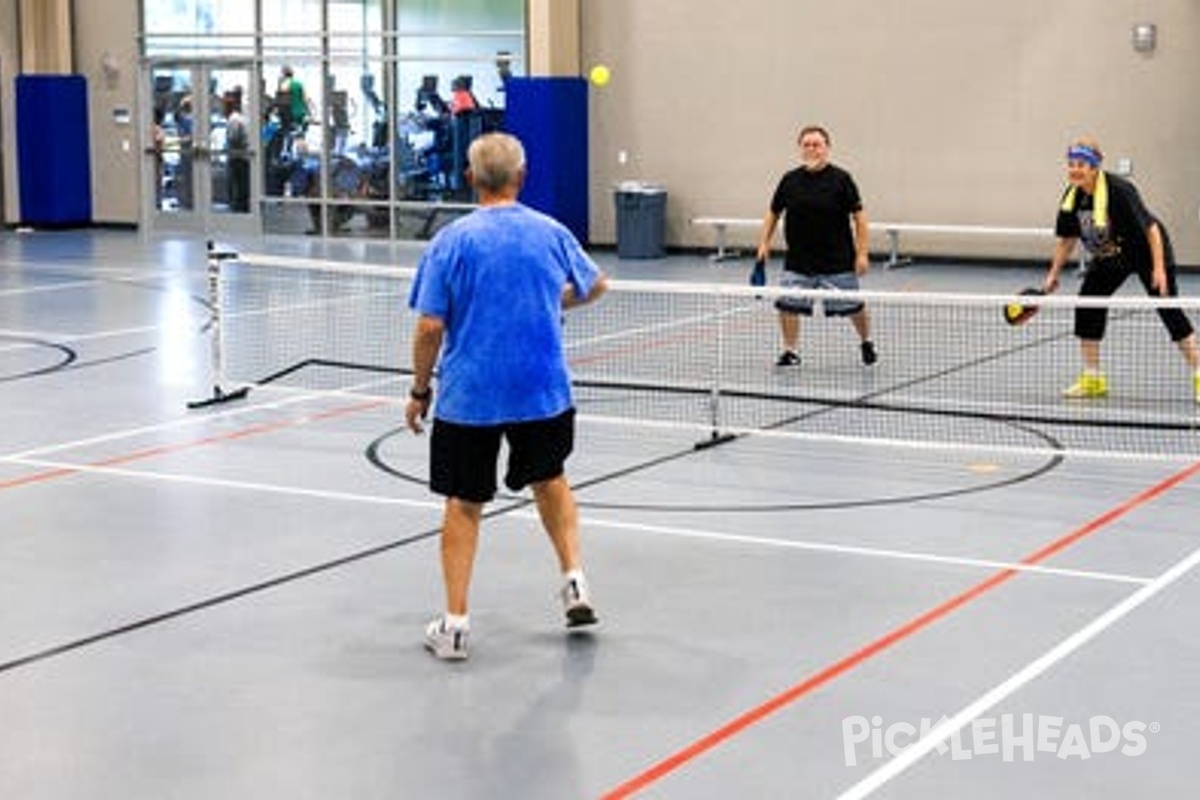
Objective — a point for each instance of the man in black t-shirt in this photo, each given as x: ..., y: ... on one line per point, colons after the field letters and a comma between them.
x: 1106, y: 213
x: 818, y: 201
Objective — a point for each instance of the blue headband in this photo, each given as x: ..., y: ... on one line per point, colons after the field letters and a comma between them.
x: 1081, y: 152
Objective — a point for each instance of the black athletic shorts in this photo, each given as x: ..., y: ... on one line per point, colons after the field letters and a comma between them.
x: 462, y: 458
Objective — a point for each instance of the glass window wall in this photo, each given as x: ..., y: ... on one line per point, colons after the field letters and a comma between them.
x: 367, y: 106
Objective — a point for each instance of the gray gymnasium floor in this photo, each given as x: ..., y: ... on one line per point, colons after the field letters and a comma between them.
x: 228, y: 603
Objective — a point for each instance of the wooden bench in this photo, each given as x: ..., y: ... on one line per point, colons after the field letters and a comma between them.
x: 892, y: 230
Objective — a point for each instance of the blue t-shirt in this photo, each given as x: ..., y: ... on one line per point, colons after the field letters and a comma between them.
x: 495, y: 278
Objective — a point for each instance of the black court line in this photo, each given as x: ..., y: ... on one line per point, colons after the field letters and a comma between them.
x: 333, y: 564
x: 200, y: 605
x: 70, y: 358
x: 870, y: 402
x: 1053, y: 461
x: 278, y: 581
x: 67, y: 356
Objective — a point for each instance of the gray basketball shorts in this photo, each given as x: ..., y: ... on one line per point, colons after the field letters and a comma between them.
x: 834, y: 307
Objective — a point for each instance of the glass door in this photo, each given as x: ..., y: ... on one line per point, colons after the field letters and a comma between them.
x: 202, y: 148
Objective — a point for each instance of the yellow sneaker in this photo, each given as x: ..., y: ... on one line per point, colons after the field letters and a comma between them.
x: 1091, y: 385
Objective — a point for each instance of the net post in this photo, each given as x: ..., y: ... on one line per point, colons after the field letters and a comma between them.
x: 219, y: 395
x: 715, y: 436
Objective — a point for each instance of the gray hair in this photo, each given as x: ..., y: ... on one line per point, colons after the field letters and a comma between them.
x: 497, y: 161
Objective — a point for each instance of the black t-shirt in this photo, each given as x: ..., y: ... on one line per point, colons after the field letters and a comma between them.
x: 817, y: 208
x: 1125, y: 235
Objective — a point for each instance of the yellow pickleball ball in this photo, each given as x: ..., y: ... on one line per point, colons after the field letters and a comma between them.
x: 599, y: 75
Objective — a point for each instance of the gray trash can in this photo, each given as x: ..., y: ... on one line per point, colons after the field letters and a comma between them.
x: 641, y: 220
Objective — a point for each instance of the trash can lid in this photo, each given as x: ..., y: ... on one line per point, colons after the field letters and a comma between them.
x: 640, y: 187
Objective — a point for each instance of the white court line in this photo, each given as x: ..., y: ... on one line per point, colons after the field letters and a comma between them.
x: 122, y: 276
x: 38, y: 289
x: 592, y: 522
x: 67, y: 337
x: 33, y: 457
x: 182, y: 422
x: 323, y: 304
x: 873, y: 552
x: 658, y: 327
x: 1050, y: 658
x: 245, y: 486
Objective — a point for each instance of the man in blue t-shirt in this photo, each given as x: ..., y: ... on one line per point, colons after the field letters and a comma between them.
x: 490, y: 291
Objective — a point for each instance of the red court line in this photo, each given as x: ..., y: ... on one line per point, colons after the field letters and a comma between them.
x: 913, y: 626
x: 166, y: 449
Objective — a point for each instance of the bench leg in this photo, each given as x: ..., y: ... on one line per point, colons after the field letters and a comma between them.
x: 723, y: 253
x: 720, y: 254
x: 893, y: 248
x: 894, y: 258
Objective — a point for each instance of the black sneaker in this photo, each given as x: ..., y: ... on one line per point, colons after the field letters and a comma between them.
x: 869, y: 356
x: 788, y: 358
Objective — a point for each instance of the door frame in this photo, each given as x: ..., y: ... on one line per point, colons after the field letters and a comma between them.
x: 204, y: 217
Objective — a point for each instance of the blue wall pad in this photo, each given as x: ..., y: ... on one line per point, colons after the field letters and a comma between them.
x: 550, y: 117
x: 53, y: 157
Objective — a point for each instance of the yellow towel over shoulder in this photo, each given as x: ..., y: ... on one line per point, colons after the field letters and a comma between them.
x: 1099, y: 204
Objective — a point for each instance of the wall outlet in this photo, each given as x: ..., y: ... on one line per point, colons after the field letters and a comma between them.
x: 1124, y: 166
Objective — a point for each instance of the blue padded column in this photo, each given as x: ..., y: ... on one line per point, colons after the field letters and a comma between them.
x: 549, y: 116
x: 53, y: 151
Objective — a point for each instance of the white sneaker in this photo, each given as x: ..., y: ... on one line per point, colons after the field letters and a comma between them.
x: 577, y: 604
x: 446, y: 643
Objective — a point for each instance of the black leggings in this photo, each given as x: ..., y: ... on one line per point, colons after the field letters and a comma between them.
x: 1105, y: 276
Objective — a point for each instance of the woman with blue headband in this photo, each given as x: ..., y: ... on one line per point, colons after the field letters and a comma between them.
x: 1105, y: 213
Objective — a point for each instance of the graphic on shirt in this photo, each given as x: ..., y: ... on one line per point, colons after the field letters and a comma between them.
x: 1096, y: 239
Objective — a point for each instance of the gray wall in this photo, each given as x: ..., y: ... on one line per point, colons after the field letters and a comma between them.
x: 946, y: 111
x: 104, y: 33
x: 100, y: 28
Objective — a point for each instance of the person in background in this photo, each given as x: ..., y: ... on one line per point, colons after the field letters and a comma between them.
x: 1105, y: 212
x: 502, y: 274
x: 292, y: 101
x: 462, y: 99
x: 237, y: 145
x: 158, y: 141
x: 185, y: 127
x: 504, y: 61
x: 825, y: 227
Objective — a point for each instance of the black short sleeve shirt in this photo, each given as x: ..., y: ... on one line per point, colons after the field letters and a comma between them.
x: 1125, y: 234
x: 816, y: 208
